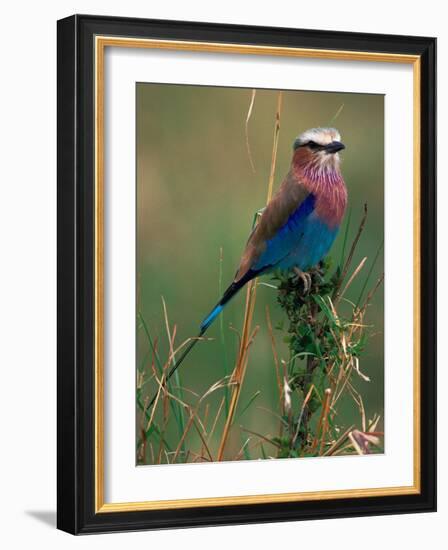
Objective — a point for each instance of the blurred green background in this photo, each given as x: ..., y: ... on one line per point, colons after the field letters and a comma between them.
x: 197, y: 194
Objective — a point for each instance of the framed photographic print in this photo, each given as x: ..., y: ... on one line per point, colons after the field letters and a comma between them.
x: 246, y: 274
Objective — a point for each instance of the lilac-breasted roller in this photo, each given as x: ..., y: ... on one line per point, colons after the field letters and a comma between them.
x: 301, y: 221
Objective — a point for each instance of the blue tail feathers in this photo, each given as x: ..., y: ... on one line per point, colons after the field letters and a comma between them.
x: 210, y: 318
x: 227, y: 296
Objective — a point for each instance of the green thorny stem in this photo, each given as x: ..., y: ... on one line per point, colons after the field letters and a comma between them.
x: 304, y: 337
x: 323, y: 347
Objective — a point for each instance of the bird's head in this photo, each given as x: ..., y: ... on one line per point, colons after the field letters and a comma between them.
x: 318, y: 147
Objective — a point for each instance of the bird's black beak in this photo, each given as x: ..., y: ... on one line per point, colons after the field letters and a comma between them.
x: 334, y: 147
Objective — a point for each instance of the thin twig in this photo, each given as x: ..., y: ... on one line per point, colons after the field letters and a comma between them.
x: 184, y: 435
x: 325, y: 420
x: 323, y: 414
x: 261, y: 436
x: 338, y: 442
x: 216, y: 418
x: 302, y: 412
x: 203, y: 440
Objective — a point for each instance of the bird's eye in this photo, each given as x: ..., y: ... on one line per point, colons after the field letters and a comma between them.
x: 310, y: 144
x: 313, y: 145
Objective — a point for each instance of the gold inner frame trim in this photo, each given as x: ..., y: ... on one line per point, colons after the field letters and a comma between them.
x: 101, y: 42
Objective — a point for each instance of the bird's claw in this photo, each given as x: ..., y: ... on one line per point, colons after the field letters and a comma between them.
x: 319, y: 274
x: 306, y: 279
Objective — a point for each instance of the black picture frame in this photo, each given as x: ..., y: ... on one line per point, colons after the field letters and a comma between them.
x: 76, y: 225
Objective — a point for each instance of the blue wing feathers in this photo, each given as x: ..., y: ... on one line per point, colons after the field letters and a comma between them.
x: 288, y: 236
x: 302, y: 241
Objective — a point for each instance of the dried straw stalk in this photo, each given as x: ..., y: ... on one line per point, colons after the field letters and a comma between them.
x: 239, y: 371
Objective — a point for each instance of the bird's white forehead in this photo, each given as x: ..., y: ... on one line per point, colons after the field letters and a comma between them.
x: 321, y: 136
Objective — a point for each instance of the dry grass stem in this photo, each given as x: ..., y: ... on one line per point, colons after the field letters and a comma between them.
x: 350, y: 255
x: 246, y: 127
x: 302, y: 411
x: 338, y: 442
x: 354, y: 274
x: 322, y: 418
x: 242, y: 359
x: 241, y: 451
x: 212, y: 430
x: 326, y: 408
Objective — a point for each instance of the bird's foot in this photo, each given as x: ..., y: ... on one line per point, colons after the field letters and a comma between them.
x: 318, y: 273
x: 306, y: 279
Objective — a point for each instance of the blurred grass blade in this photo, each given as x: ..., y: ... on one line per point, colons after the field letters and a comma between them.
x: 248, y: 404
x: 366, y: 282
x: 180, y: 414
x: 344, y: 242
